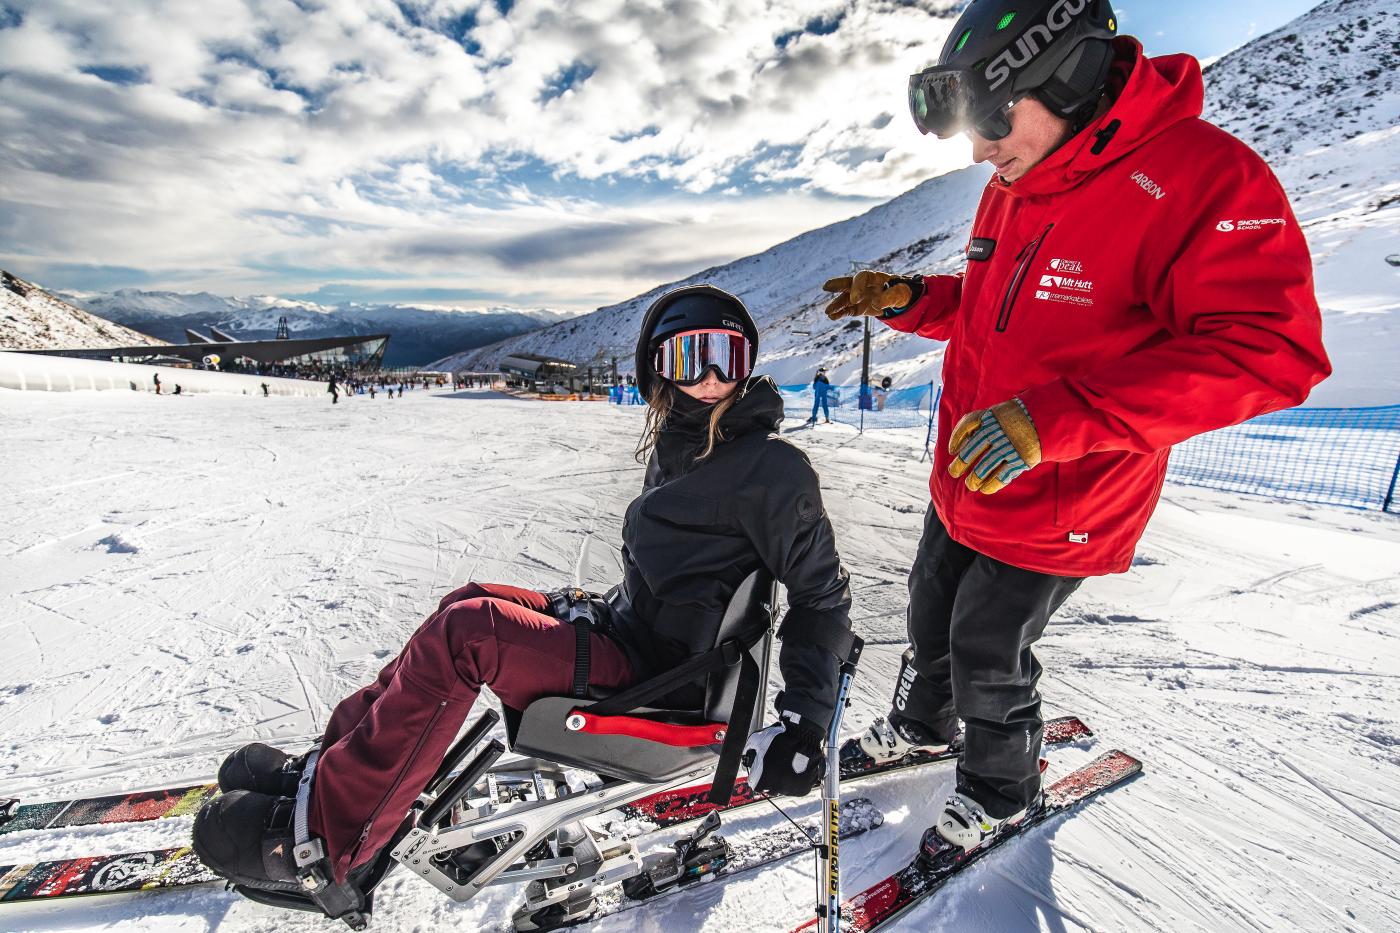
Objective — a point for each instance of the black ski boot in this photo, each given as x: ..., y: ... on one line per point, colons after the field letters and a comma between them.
x: 247, y: 838
x: 262, y: 769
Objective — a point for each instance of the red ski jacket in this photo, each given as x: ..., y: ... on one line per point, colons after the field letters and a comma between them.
x: 1145, y: 283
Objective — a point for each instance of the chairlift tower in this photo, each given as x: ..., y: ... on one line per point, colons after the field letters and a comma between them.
x: 283, y: 331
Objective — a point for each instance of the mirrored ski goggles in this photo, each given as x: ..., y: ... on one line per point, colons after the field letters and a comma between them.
x: 684, y: 358
x: 943, y: 100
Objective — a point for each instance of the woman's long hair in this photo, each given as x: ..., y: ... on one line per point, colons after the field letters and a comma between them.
x: 659, y: 405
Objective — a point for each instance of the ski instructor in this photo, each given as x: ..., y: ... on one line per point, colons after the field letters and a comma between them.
x: 1135, y: 276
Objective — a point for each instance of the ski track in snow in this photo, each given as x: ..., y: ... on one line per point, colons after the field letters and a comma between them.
x: 179, y: 576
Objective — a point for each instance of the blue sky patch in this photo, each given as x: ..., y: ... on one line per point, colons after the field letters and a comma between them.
x: 115, y: 74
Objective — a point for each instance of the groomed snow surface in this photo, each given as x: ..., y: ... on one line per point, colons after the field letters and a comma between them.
x: 182, y: 575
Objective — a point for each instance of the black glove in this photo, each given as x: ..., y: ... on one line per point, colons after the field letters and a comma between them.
x: 786, y: 758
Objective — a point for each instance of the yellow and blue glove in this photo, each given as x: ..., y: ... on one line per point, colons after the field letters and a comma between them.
x: 993, y: 446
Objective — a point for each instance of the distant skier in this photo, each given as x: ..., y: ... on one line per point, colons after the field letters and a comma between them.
x: 821, y: 387
x: 156, y: 378
x: 332, y: 387
x: 264, y: 388
x: 1135, y: 276
x: 709, y: 444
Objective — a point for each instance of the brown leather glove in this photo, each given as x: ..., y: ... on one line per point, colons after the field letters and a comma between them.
x: 870, y: 292
x: 993, y: 446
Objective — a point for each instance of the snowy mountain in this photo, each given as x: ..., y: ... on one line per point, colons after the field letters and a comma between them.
x: 33, y: 319
x: 419, y: 332
x: 1318, y: 98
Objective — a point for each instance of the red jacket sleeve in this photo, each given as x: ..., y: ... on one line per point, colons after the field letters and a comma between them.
x: 1242, y: 334
x: 933, y: 314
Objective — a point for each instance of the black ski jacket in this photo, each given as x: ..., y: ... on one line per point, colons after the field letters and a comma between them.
x: 701, y: 526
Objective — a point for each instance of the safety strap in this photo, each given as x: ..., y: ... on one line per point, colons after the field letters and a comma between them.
x: 301, y: 833
x: 717, y: 658
x: 583, y: 656
x: 745, y: 699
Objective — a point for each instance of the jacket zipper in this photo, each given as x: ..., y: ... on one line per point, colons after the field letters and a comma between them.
x: 1025, y: 256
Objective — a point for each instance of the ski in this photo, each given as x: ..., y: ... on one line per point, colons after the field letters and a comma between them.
x: 179, y: 867
x: 698, y: 859
x: 104, y: 874
x: 671, y: 807
x: 889, y: 899
x: 664, y: 809
x: 93, y: 811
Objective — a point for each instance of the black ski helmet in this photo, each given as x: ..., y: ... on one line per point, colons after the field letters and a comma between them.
x: 691, y: 307
x: 1003, y: 50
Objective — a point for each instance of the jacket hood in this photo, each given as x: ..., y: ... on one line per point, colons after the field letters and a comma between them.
x: 1150, y: 95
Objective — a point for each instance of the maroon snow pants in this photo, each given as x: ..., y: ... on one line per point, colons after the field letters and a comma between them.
x: 385, y: 741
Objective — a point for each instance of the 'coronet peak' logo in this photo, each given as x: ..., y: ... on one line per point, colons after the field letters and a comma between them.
x: 1148, y: 185
x: 1067, y: 265
x: 1033, y: 40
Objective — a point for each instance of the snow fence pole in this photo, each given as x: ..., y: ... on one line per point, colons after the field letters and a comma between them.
x: 1390, y: 493
x: 828, y: 862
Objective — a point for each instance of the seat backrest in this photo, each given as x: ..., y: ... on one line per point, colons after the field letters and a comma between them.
x: 753, y: 606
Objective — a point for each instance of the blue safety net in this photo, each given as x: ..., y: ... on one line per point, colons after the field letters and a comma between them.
x: 895, y: 408
x: 1338, y: 456
x: 1334, y: 456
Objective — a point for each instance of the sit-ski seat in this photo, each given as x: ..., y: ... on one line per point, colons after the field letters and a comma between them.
x: 623, y: 737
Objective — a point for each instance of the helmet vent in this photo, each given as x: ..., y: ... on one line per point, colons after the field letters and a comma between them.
x: 1005, y: 21
x: 967, y: 33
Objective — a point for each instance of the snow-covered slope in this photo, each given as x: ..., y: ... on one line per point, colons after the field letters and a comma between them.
x: 1319, y: 98
x: 420, y: 332
x: 32, y: 319
x: 193, y: 590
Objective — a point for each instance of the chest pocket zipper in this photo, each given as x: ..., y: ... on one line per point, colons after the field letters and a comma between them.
x: 1024, y: 257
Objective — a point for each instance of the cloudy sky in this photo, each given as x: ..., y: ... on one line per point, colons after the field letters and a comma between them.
x: 534, y: 153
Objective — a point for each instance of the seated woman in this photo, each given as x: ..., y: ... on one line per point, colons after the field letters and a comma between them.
x: 723, y: 496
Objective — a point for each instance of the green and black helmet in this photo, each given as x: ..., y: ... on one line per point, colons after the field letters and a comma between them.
x: 1003, y: 50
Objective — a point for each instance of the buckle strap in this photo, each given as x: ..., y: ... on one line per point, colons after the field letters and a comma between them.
x: 583, y: 656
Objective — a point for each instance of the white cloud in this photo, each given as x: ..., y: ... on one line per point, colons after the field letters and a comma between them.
x: 270, y: 143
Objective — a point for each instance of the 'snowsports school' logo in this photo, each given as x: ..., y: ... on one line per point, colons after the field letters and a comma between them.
x: 1032, y: 41
x: 1148, y: 185
x: 1226, y: 226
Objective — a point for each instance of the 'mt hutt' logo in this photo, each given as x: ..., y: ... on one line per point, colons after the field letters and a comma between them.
x: 1033, y: 40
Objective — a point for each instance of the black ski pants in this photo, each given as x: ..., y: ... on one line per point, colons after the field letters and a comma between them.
x: 972, y: 622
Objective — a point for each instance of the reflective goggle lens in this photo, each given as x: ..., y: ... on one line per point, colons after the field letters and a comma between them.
x: 683, y: 358
x: 938, y: 101
x: 941, y: 102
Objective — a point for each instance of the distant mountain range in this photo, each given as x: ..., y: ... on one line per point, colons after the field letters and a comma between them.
x: 419, y: 334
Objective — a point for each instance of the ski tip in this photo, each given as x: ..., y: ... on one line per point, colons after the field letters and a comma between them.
x: 1064, y: 729
x: 1111, y: 768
